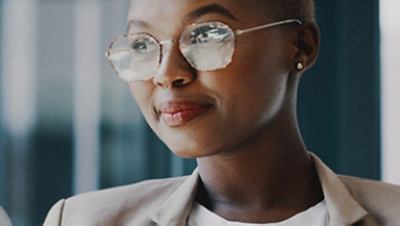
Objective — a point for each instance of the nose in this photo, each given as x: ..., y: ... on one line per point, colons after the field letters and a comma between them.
x: 174, y: 70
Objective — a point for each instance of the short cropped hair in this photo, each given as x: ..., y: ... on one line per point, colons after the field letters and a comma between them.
x: 293, y: 9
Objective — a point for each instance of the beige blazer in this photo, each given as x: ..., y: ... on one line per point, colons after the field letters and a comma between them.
x: 4, y: 220
x: 167, y: 202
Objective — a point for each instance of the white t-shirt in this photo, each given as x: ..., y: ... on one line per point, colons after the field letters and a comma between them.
x: 314, y: 216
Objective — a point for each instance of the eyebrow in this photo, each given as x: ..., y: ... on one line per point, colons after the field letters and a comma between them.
x: 138, y: 23
x: 212, y: 8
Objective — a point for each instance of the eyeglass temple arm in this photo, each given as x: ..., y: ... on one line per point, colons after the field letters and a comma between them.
x: 248, y: 30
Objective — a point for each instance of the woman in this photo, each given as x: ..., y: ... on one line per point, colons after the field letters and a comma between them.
x: 217, y: 81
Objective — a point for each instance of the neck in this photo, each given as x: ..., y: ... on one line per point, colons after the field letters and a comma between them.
x: 271, y: 171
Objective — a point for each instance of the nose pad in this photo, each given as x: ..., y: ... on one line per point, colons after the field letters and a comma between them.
x: 174, y: 70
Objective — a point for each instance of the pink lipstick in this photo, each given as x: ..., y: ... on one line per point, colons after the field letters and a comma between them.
x: 178, y: 113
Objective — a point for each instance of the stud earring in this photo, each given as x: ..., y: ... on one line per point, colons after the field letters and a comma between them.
x: 300, y: 66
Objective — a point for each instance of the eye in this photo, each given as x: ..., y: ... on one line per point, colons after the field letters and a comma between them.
x: 143, y: 45
x: 139, y: 45
x: 209, y: 33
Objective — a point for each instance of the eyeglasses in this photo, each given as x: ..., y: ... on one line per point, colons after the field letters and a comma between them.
x: 206, y: 46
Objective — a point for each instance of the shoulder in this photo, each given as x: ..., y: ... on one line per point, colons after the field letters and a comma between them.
x: 112, y: 204
x: 4, y: 220
x: 149, y: 191
x: 372, y: 191
x: 378, y: 198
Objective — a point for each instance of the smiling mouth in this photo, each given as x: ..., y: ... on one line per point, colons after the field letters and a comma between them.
x: 175, y: 114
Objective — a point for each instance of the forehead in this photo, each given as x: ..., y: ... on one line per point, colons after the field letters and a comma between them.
x: 167, y: 13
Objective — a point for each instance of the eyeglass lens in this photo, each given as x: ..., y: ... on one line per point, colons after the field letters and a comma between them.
x: 206, y: 46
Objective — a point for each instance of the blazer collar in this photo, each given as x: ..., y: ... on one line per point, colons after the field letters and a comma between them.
x: 175, y: 210
x: 342, y: 207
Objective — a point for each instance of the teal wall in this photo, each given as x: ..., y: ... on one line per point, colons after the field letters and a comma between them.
x: 339, y: 98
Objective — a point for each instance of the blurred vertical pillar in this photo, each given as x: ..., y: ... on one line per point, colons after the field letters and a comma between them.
x: 390, y: 90
x: 87, y: 95
x: 19, y: 103
x: 3, y: 152
x: 340, y: 97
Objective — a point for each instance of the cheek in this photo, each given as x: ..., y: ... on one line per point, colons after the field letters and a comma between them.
x: 254, y: 85
x: 257, y: 73
x: 268, y: 53
x: 142, y: 93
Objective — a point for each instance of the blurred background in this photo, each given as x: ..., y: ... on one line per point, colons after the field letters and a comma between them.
x: 68, y: 125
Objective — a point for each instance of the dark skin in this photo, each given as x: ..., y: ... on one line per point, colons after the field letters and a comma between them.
x: 251, y: 157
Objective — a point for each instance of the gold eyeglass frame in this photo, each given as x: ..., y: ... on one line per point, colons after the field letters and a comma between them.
x: 236, y: 33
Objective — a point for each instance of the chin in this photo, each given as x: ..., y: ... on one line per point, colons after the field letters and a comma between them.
x: 189, y: 146
x: 188, y: 151
x: 182, y: 142
x: 192, y: 154
x: 188, y: 154
x: 194, y: 140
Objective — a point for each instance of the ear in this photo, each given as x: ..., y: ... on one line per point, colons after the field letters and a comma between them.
x: 308, y: 45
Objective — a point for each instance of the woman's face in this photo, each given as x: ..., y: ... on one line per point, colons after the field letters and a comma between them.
x: 200, y: 114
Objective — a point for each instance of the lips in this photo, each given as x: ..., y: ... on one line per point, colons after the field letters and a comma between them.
x: 178, y: 113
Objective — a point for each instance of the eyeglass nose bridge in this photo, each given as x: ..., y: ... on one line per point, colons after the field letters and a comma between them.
x: 174, y: 78
x: 168, y: 42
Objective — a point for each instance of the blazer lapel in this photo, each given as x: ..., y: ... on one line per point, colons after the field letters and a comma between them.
x: 343, y: 209
x: 175, y: 210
